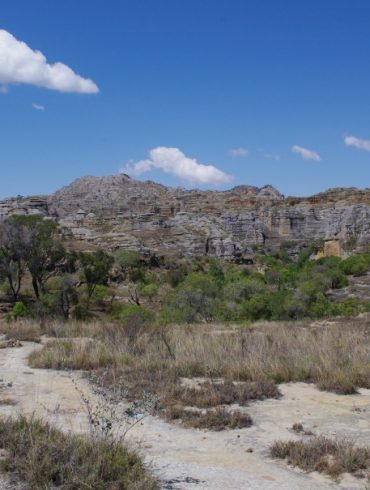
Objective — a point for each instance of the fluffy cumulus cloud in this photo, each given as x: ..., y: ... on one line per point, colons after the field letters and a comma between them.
x: 173, y: 161
x: 20, y: 64
x: 306, y: 154
x: 357, y: 143
x: 239, y: 152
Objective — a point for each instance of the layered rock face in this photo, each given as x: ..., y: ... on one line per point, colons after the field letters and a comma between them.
x: 117, y: 211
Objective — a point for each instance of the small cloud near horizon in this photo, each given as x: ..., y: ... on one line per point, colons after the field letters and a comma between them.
x: 21, y: 64
x: 359, y: 143
x: 173, y: 161
x: 305, y: 153
x: 38, y: 107
x: 272, y: 156
x: 239, y: 152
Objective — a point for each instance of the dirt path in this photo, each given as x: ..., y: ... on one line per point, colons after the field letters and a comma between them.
x: 193, y: 459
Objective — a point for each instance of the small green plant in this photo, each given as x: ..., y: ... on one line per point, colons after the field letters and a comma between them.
x: 19, y: 310
x: 149, y: 291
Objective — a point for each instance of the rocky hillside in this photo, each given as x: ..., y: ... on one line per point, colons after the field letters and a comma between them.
x: 117, y: 211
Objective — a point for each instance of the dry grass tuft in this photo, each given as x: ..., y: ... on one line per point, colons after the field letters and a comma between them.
x: 22, y: 330
x: 46, y: 458
x: 212, y: 419
x: 82, y: 354
x: 211, y: 394
x: 8, y: 402
x: 324, y: 455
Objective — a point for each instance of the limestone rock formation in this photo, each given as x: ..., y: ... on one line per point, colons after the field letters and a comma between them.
x: 117, y: 211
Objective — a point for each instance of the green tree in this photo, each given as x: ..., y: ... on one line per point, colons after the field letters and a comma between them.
x: 43, y: 250
x: 13, y: 241
x: 95, y: 268
x: 63, y: 295
x: 194, y: 299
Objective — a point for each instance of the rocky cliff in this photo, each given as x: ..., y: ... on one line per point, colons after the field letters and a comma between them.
x: 117, y: 211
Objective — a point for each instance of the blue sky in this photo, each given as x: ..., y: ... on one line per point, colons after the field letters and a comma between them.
x: 235, y: 84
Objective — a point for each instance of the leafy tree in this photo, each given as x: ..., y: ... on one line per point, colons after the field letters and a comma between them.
x: 195, y: 298
x: 258, y: 306
x: 95, y: 267
x: 244, y: 287
x: 13, y: 244
x: 63, y: 295
x: 43, y: 250
x: 216, y: 272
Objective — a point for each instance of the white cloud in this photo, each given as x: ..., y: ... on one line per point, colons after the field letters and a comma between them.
x: 239, y: 152
x: 20, y: 64
x: 305, y: 153
x: 272, y: 156
x: 38, y: 107
x: 357, y: 142
x: 173, y: 161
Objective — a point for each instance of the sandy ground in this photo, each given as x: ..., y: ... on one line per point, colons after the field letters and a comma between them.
x: 193, y: 459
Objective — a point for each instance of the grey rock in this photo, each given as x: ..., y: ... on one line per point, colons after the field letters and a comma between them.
x: 117, y: 211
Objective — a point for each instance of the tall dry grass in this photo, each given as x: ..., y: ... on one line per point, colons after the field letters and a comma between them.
x: 336, y: 356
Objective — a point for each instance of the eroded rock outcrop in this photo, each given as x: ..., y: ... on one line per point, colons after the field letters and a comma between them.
x: 117, y: 211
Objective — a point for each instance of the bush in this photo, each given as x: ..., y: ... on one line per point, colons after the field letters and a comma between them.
x: 255, y: 308
x: 213, y: 419
x: 19, y: 310
x: 324, y: 455
x: 356, y: 265
x: 194, y: 299
x: 81, y: 311
x: 350, y: 307
x: 149, y: 290
x: 134, y: 321
x: 128, y: 258
x: 243, y: 288
x: 137, y: 275
x: 43, y: 457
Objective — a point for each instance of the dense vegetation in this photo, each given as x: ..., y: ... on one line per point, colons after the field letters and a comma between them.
x: 133, y: 288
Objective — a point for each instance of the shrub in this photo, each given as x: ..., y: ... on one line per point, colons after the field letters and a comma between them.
x: 19, y: 310
x: 258, y: 306
x: 129, y: 258
x: 194, y: 298
x: 137, y: 275
x: 95, y: 267
x: 149, y: 290
x: 324, y: 455
x: 133, y: 320
x: 243, y: 288
x: 44, y: 457
x: 356, y: 264
x: 350, y: 307
x: 213, y: 419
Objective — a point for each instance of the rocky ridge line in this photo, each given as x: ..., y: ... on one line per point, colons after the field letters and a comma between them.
x: 117, y: 211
